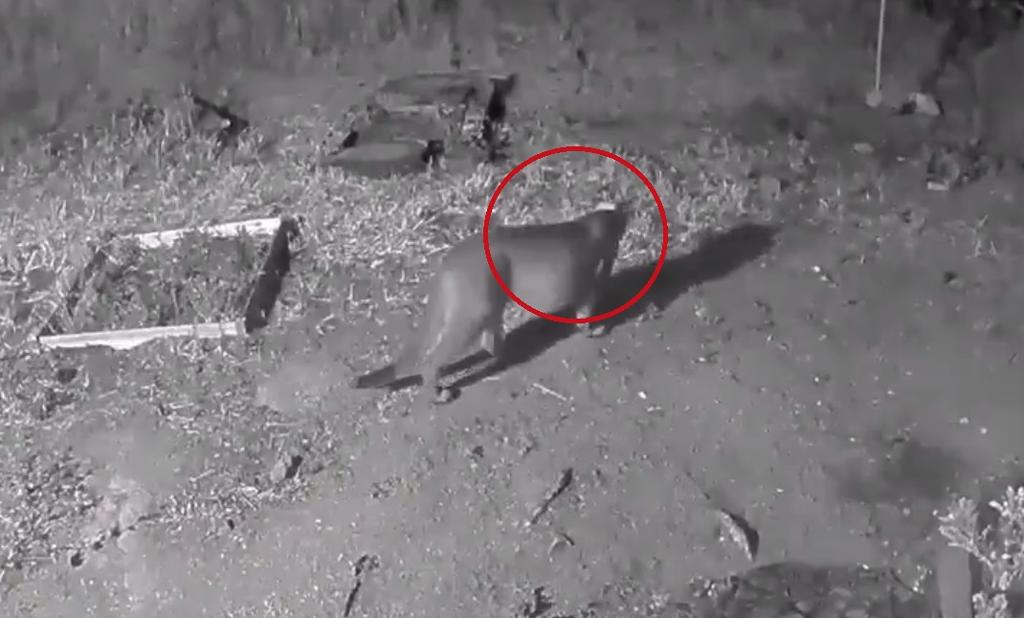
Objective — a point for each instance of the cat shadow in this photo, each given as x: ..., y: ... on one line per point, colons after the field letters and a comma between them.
x: 716, y: 257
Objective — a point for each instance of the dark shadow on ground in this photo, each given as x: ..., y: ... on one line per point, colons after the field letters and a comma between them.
x: 802, y: 589
x: 715, y: 258
x: 268, y: 285
x: 896, y: 468
x: 899, y: 471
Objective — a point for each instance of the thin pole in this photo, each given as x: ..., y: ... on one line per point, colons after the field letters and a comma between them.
x: 878, y: 46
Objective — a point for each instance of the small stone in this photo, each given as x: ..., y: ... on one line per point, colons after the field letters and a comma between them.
x: 285, y: 468
x: 914, y: 219
x: 804, y: 607
x: 560, y: 544
x: 277, y: 473
x: 952, y: 280
x: 770, y: 188
x: 925, y: 104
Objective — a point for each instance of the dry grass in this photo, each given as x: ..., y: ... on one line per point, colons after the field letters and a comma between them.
x: 118, y: 179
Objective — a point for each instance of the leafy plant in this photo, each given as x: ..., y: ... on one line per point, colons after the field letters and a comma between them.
x: 999, y: 547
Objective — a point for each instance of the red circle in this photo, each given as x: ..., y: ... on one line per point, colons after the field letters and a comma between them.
x: 620, y: 161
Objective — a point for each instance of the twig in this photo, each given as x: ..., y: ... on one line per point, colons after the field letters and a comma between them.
x: 365, y: 564
x: 563, y: 484
x: 548, y: 391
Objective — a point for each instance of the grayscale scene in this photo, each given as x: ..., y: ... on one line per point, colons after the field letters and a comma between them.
x: 511, y: 309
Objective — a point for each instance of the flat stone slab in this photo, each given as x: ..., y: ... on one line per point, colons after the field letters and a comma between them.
x: 380, y: 160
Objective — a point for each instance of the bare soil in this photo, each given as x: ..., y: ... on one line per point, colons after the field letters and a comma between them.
x: 832, y: 374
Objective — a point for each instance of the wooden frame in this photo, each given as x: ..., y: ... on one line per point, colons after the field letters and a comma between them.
x: 266, y: 290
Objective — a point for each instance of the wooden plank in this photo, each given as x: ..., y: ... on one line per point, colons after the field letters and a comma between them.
x: 255, y: 227
x: 129, y: 338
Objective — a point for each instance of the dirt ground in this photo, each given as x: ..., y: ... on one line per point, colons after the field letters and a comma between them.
x: 833, y: 373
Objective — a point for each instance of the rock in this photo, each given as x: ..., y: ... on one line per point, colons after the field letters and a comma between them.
x: 922, y: 104
x: 863, y: 148
x: 278, y: 472
x: 770, y: 188
x: 742, y: 534
x: 285, y: 468
x: 952, y: 280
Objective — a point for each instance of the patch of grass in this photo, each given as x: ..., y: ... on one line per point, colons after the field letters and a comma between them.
x: 198, y: 279
x: 43, y: 494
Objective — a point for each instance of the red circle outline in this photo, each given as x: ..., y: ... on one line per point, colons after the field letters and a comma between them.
x: 608, y: 155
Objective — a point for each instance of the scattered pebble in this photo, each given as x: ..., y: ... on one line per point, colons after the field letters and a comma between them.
x: 952, y: 280
x: 560, y: 544
x: 741, y: 533
x: 707, y: 359
x: 863, y: 148
x: 770, y: 188
x: 824, y: 276
x: 914, y: 219
x: 922, y: 104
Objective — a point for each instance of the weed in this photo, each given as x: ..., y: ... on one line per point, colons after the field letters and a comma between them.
x: 999, y: 547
